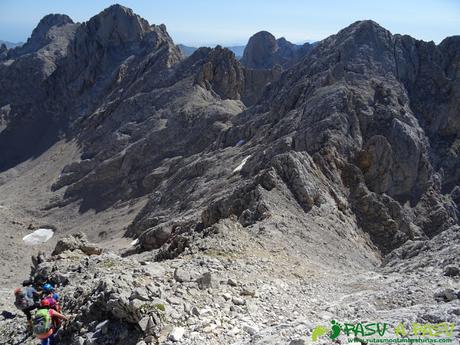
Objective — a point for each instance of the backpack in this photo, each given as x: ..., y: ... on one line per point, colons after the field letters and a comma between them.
x: 42, y: 322
x: 23, y: 300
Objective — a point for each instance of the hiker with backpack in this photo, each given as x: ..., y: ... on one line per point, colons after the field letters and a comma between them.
x: 44, y: 322
x: 27, y: 299
x: 50, y: 294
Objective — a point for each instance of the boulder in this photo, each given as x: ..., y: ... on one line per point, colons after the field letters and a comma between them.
x: 446, y: 295
x: 205, y: 281
x: 74, y: 242
x: 451, y: 271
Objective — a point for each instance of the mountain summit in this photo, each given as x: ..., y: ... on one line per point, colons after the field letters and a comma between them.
x: 43, y: 34
x: 116, y: 25
x: 264, y: 51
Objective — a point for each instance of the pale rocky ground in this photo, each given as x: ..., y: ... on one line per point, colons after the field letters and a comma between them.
x: 262, y: 290
x: 256, y: 295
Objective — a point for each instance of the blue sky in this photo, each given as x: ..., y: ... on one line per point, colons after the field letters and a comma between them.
x: 207, y: 22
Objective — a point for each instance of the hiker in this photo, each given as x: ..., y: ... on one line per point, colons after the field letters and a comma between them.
x: 27, y: 299
x: 44, y: 323
x: 51, y: 296
x: 47, y: 289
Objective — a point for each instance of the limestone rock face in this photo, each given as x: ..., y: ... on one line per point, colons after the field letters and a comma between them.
x: 351, y: 100
x: 222, y: 73
x: 229, y: 79
x: 347, y: 108
x: 364, y: 122
x: 27, y: 75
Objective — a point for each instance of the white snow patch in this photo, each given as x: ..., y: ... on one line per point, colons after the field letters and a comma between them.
x: 239, y: 167
x: 39, y: 236
x: 135, y: 242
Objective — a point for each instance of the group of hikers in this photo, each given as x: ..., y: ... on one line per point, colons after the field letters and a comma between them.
x: 43, y: 301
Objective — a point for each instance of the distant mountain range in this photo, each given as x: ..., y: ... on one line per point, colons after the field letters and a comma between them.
x: 10, y: 44
x: 187, y: 51
x: 263, y: 51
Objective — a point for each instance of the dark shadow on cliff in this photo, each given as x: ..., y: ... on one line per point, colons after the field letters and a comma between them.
x: 27, y: 138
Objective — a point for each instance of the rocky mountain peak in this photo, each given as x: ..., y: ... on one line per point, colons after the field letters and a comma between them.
x: 117, y: 25
x: 361, y: 46
x: 264, y: 51
x: 259, y: 49
x: 39, y: 34
x: 48, y: 22
x: 263, y: 38
x: 111, y: 41
x: 42, y: 34
x: 364, y: 26
x: 365, y: 32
